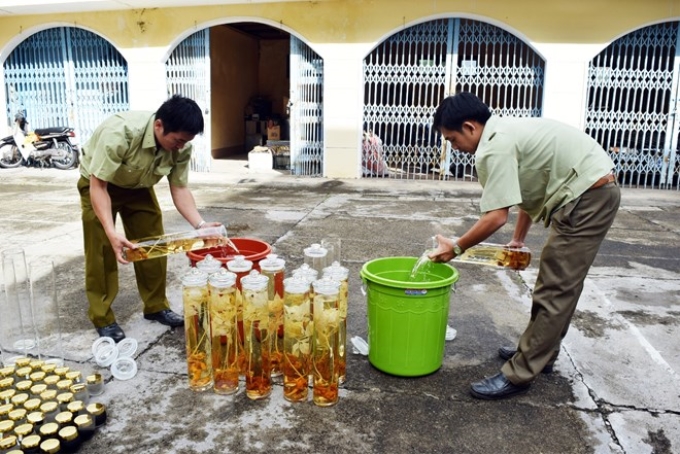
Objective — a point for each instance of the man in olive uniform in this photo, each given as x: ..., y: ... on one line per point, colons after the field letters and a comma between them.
x: 125, y: 157
x: 553, y: 173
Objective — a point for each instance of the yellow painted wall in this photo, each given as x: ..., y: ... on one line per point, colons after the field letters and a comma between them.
x: 234, y: 80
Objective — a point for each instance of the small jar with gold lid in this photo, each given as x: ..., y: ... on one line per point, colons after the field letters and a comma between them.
x: 79, y: 391
x: 64, y: 385
x: 5, y: 409
x: 49, y: 430
x: 64, y: 418
x: 77, y: 407
x: 50, y: 446
x: 95, y: 384
x: 32, y: 404
x: 51, y: 381
x: 20, y: 399
x: 24, y: 386
x: 50, y: 394
x: 85, y: 425
x: 37, y: 418
x: 31, y: 444
x: 24, y: 430
x: 48, y: 368
x: 7, y: 371
x: 98, y: 412
x: 64, y: 399
x: 38, y: 389
x: 8, y: 443
x: 50, y: 410
x: 62, y: 371
x: 6, y: 383
x: 18, y: 415
x: 36, y: 364
x: 22, y: 361
x: 74, y: 375
x: 6, y: 396
x: 70, y: 439
x: 23, y: 373
x: 6, y: 428
x: 37, y: 376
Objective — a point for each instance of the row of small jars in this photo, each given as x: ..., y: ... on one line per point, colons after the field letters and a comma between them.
x: 259, y: 325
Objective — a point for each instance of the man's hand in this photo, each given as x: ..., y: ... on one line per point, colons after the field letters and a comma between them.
x: 118, y: 243
x: 444, y: 251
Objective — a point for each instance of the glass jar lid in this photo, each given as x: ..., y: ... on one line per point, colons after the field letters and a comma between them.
x: 195, y: 278
x: 106, y: 355
x: 272, y: 263
x: 306, y: 272
x: 239, y: 264
x: 127, y: 347
x: 336, y: 272
x: 209, y: 264
x: 316, y: 251
x: 124, y: 368
x: 254, y: 281
x: 326, y: 286
x: 295, y: 284
x: 222, y: 279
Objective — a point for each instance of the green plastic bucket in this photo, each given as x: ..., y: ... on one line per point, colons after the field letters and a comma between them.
x: 407, y: 320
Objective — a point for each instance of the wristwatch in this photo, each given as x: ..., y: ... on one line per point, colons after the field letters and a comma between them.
x: 457, y: 249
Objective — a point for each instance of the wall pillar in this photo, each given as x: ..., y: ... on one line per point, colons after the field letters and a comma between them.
x: 147, y: 85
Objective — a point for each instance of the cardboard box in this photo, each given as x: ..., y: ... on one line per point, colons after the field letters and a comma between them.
x: 274, y: 132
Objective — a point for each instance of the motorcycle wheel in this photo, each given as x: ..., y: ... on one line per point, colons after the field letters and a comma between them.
x: 66, y: 157
x: 10, y: 156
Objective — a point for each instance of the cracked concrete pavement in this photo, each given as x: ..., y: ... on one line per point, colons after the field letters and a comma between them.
x: 616, y: 384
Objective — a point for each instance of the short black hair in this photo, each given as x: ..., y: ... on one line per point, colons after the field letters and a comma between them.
x: 459, y: 108
x: 180, y: 114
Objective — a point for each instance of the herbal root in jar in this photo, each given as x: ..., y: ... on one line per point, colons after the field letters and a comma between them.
x: 297, y: 339
x: 241, y: 267
x: 341, y: 274
x: 325, y: 342
x: 197, y: 329
x: 224, y: 342
x: 257, y: 335
x: 274, y: 268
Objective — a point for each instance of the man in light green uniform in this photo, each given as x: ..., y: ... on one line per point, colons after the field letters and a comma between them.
x: 125, y: 157
x: 553, y: 173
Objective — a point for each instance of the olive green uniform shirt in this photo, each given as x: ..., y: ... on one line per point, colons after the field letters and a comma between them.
x: 537, y: 164
x: 123, y: 151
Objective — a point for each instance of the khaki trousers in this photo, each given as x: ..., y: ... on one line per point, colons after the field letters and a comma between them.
x: 142, y: 217
x: 577, y: 230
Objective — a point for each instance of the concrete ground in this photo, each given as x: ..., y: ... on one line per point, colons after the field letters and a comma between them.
x: 616, y: 384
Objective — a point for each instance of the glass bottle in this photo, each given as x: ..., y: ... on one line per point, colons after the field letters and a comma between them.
x: 325, y: 342
x: 257, y: 335
x: 197, y: 329
x: 333, y: 245
x: 315, y: 257
x: 274, y: 268
x: 224, y: 331
x: 209, y: 264
x: 339, y: 273
x: 307, y: 273
x: 172, y: 243
x: 297, y: 339
x: 47, y: 319
x: 17, y: 329
x: 498, y: 255
x: 241, y: 267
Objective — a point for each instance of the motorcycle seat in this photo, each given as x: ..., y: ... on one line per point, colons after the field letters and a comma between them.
x: 53, y: 130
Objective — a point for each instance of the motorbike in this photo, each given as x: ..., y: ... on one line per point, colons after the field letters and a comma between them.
x: 57, y: 147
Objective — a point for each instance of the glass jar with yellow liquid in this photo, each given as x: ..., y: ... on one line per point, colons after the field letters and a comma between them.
x: 258, y: 338
x: 339, y: 273
x: 197, y: 329
x: 297, y: 339
x: 224, y: 331
x: 325, y: 342
x: 241, y: 267
x: 274, y: 268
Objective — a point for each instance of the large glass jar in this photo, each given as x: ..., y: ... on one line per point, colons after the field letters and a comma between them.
x: 297, y: 339
x: 224, y: 331
x: 241, y: 267
x: 316, y: 256
x: 257, y: 335
x: 339, y: 273
x: 274, y: 268
x: 197, y: 329
x: 325, y: 342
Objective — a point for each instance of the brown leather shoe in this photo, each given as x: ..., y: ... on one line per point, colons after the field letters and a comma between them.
x: 508, y: 352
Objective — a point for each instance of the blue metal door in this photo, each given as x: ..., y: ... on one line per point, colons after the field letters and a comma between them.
x: 66, y: 76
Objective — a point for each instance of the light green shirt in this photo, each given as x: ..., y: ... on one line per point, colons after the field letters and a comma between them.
x: 123, y: 152
x: 537, y: 164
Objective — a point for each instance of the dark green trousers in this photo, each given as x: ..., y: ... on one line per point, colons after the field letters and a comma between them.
x: 142, y: 217
x: 577, y: 230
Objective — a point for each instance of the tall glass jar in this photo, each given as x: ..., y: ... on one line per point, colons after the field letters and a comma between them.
x: 241, y: 267
x: 325, y: 342
x: 44, y: 297
x: 297, y: 339
x: 339, y: 273
x: 197, y: 329
x: 224, y: 331
x: 315, y: 257
x: 18, y: 337
x: 257, y: 335
x: 274, y: 268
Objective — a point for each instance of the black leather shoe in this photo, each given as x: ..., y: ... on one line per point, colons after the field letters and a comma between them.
x: 496, y: 387
x: 508, y: 352
x: 113, y: 331
x: 166, y: 317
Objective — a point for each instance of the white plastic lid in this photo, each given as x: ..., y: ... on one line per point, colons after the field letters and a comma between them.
x: 315, y: 250
x: 127, y: 348
x: 239, y: 264
x: 106, y: 355
x: 101, y: 342
x: 124, y: 368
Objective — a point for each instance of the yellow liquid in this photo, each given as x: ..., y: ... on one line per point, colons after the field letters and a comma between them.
x: 257, y: 344
x: 197, y: 334
x: 297, y: 338
x: 496, y: 255
x: 325, y: 350
x: 163, y: 248
x: 224, y: 340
